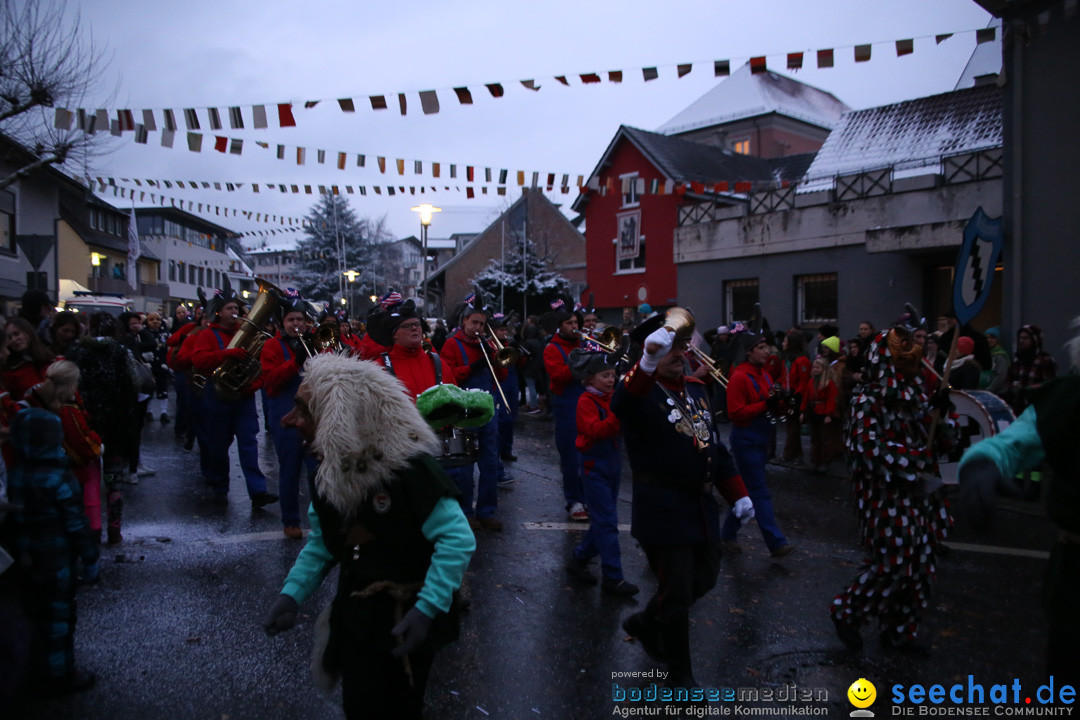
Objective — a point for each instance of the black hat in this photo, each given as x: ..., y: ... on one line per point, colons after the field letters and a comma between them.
x: 559, y: 313
x: 647, y: 327
x: 584, y: 363
x: 292, y: 302
x: 382, y: 325
x: 222, y: 297
x: 472, y: 304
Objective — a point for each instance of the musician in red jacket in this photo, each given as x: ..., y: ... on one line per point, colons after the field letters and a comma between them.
x: 282, y: 359
x: 464, y: 354
x: 400, y: 331
x: 565, y: 391
x: 227, y: 419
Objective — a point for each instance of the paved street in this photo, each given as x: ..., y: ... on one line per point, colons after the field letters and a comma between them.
x: 173, y: 628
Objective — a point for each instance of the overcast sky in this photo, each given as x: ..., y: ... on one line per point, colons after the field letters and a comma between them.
x: 224, y: 53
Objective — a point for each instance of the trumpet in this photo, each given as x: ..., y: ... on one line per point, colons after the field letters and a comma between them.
x: 704, y: 358
x: 504, y: 356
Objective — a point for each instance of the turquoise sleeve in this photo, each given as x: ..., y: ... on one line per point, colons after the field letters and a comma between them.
x: 1015, y: 449
x: 448, y: 529
x: 311, y: 566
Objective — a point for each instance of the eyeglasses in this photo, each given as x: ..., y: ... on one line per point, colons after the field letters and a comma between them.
x: 409, y: 325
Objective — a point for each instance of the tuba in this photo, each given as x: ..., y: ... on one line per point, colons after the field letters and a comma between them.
x: 232, y: 377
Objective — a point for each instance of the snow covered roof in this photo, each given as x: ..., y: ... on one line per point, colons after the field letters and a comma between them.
x: 271, y: 244
x: 910, y: 134
x: 745, y: 95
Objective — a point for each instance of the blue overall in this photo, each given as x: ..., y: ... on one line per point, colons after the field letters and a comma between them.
x: 601, y: 469
x: 750, y: 446
x: 289, y: 447
x: 487, y: 440
x: 183, y: 407
x: 564, y: 410
x: 507, y: 416
x: 222, y: 421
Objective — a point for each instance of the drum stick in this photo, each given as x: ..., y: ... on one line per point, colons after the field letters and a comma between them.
x: 936, y: 415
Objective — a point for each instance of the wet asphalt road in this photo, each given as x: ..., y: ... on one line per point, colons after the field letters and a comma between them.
x: 173, y: 628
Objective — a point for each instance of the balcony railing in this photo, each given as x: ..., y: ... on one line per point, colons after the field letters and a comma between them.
x: 115, y: 285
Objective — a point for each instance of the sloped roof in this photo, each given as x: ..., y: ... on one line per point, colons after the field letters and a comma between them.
x: 745, y: 95
x: 911, y: 134
x: 96, y: 237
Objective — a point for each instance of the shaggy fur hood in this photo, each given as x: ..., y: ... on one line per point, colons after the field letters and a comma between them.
x: 366, y: 428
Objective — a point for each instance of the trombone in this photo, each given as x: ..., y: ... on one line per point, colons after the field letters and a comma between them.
x: 704, y: 358
x: 505, y: 356
x: 610, y: 340
x: 500, y: 355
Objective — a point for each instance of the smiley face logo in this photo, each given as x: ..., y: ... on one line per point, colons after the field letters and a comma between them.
x: 862, y: 693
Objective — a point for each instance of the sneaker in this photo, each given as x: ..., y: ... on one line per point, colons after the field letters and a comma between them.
x: 506, y: 481
x: 144, y: 471
x: 782, y: 551
x: 164, y: 418
x: 578, y: 513
x: 648, y: 634
x: 622, y: 588
x: 293, y: 532
x: 730, y: 546
x: 263, y: 498
x: 579, y: 570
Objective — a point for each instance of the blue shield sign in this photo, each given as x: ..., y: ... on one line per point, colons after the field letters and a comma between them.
x: 983, y: 241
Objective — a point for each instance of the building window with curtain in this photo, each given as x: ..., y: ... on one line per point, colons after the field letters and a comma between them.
x: 740, y: 296
x: 817, y: 298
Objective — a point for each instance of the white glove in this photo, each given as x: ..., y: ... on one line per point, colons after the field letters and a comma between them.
x: 744, y: 508
x: 657, y: 345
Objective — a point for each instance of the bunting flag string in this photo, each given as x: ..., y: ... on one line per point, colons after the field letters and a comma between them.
x: 101, y: 120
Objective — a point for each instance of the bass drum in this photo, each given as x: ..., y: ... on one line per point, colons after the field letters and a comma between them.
x: 980, y: 414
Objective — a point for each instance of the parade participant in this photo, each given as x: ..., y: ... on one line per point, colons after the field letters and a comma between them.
x: 183, y: 324
x: 352, y: 343
x: 194, y: 385
x: 1046, y: 430
x: 384, y: 510
x: 964, y: 370
x: 28, y: 359
x: 565, y: 391
x: 676, y: 458
x: 402, y: 329
x: 820, y: 412
x: 51, y: 537
x: 895, y: 480
x: 141, y: 346
x: 464, y: 353
x: 227, y: 419
x: 511, y: 389
x: 752, y: 403
x: 156, y: 329
x: 601, y: 473
x: 65, y: 330
x: 282, y: 360
x: 795, y: 376
x: 369, y: 347
x: 997, y: 376
x: 110, y: 395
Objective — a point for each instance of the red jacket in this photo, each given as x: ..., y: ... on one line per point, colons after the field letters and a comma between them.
x: 415, y: 369
x: 206, y: 355
x: 820, y: 401
x: 797, y: 375
x: 590, y: 428
x: 176, y: 340
x: 22, y: 377
x: 460, y: 369
x: 745, y: 403
x: 368, y: 349
x: 276, y: 370
x: 557, y: 368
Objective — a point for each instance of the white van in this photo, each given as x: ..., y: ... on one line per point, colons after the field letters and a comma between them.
x: 89, y: 303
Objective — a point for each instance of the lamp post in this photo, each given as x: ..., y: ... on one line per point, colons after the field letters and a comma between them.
x: 426, y: 212
x: 352, y: 275
x: 95, y: 260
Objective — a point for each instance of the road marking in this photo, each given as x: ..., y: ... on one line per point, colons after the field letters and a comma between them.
x: 248, y: 537
x: 565, y: 526
x: 995, y: 550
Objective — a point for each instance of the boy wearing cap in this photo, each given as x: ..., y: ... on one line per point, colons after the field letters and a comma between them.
x: 999, y: 363
x: 601, y: 470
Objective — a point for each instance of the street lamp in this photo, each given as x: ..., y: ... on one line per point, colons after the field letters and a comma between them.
x: 425, y: 211
x: 95, y: 260
x: 352, y: 275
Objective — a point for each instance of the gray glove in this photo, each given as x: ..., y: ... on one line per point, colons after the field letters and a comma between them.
x: 413, y: 629
x: 980, y: 481
x: 281, y: 615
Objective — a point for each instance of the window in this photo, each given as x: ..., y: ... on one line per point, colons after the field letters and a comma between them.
x: 172, y: 270
x: 740, y: 296
x: 191, y: 275
x: 817, y: 298
x: 202, y: 276
x: 7, y: 221
x: 629, y: 184
x: 629, y: 243
x: 741, y: 146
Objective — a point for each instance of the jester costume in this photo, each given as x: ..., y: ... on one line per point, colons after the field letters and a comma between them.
x: 902, y: 511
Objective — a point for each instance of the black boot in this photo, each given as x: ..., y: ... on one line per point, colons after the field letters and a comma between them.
x: 646, y: 629
x: 675, y: 634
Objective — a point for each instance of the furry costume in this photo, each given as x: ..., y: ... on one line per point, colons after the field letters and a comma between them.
x: 385, y: 511
x: 902, y: 515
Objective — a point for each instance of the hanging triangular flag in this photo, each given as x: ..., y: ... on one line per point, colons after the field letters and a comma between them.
x: 429, y: 102
x: 382, y: 165
x: 496, y: 89
x: 435, y: 168
x: 904, y: 47
x: 167, y: 138
x: 258, y: 117
x: 236, y: 146
x: 649, y: 73
x: 126, y: 120
x: 589, y: 78
x: 418, y: 167
x: 469, y: 173
x: 721, y: 68
x: 191, y: 118
x: 285, y: 116
x: 985, y: 35
x: 794, y: 61
x: 530, y: 84
x: 341, y: 160
x: 757, y: 65
x: 63, y: 119
x: 194, y: 142
x: 141, y: 135
x: 301, y: 155
x: 378, y: 102
x: 502, y: 177
x: 942, y: 38
x: 221, y: 144
x: 148, y: 120
x: 236, y: 118
x: 521, y: 178
x: 684, y: 69
x: 862, y: 53
x: 321, y: 157
x: 614, y: 76
x: 469, y: 193
x: 215, y: 118
x: 346, y: 105
x: 825, y: 58
x: 453, y: 170
x: 402, y: 104
x: 463, y: 95
x: 311, y: 103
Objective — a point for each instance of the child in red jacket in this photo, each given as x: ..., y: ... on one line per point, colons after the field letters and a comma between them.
x: 601, y: 469
x: 820, y: 410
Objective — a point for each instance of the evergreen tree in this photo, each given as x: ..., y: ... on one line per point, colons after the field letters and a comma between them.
x: 523, y: 277
x: 336, y: 241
